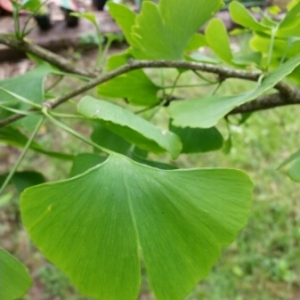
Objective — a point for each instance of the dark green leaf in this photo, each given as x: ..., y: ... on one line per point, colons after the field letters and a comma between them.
x: 179, y: 220
x: 107, y: 139
x: 198, y: 140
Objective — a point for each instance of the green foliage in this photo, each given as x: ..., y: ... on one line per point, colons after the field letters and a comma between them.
x: 124, y: 211
x: 14, y: 277
x: 126, y: 205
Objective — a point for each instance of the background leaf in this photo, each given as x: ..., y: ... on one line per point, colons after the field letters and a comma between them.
x: 14, y: 277
x: 178, y: 219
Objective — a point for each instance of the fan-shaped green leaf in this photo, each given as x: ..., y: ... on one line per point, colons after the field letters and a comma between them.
x: 99, y: 223
x: 159, y: 33
x: 130, y: 127
x: 213, y: 108
x: 198, y: 140
x: 14, y: 277
x: 217, y: 39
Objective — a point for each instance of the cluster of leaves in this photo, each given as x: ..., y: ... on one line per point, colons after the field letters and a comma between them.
x: 119, y: 207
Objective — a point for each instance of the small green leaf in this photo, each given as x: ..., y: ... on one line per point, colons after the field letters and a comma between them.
x: 130, y: 127
x: 167, y: 38
x: 119, y: 211
x: 206, y: 112
x: 242, y: 16
x: 88, y: 16
x: 198, y: 140
x: 14, y: 277
x: 84, y: 161
x: 294, y: 171
x: 291, y: 158
x: 124, y: 17
x: 217, y: 39
x: 135, y: 86
x: 32, y: 5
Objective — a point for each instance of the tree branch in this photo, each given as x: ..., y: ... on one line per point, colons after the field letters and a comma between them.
x: 46, y: 55
x: 288, y: 95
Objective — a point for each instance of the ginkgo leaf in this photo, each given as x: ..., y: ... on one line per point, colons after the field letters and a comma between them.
x: 218, y: 40
x: 101, y: 222
x: 14, y: 277
x: 167, y: 37
x: 242, y: 16
x: 130, y: 127
x: 205, y: 112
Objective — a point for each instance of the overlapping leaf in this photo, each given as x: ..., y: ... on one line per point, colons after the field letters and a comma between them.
x: 98, y: 222
x: 130, y: 127
x: 213, y: 108
x: 159, y: 33
x: 14, y: 277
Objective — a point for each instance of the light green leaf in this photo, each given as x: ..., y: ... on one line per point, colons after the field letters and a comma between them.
x: 217, y: 39
x: 109, y: 140
x: 130, y: 127
x: 242, y: 16
x: 119, y: 211
x: 159, y: 32
x: 88, y: 16
x: 198, y: 140
x: 14, y: 277
x: 124, y: 17
x: 206, y: 112
x: 32, y: 5
x: 135, y: 86
x: 84, y: 161
x: 294, y: 171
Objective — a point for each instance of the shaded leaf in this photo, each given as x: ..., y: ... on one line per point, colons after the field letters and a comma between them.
x: 84, y: 161
x: 167, y: 38
x: 14, y: 277
x: 107, y: 139
x: 213, y: 108
x: 135, y: 86
x: 198, y: 140
x: 178, y: 219
x: 130, y: 127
